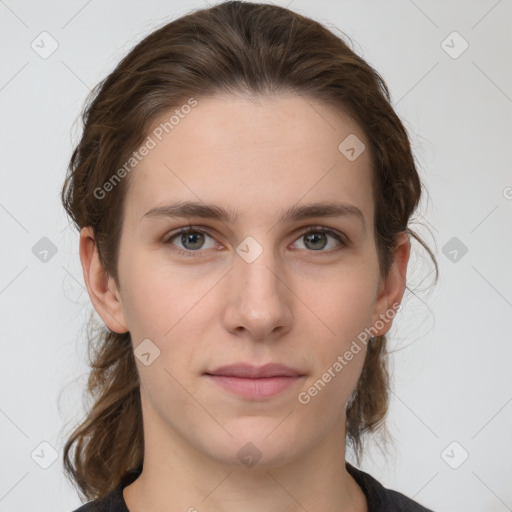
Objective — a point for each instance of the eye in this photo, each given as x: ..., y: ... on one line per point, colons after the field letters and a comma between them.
x: 316, y: 239
x: 192, y: 240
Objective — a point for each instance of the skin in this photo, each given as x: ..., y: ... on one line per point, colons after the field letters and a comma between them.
x: 299, y: 304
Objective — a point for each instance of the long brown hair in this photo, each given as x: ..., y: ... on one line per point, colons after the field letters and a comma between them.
x: 231, y: 47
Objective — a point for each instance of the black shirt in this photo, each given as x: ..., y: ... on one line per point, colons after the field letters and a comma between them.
x: 378, y: 497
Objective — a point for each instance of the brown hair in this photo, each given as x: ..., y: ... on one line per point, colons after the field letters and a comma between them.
x: 232, y: 47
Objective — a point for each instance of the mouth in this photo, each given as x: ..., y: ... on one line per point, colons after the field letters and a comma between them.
x: 255, y: 382
x: 258, y: 388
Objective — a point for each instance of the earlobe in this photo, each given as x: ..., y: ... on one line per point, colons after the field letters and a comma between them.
x: 101, y: 288
x: 393, y: 286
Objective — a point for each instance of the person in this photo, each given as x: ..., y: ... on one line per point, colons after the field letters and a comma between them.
x: 242, y: 188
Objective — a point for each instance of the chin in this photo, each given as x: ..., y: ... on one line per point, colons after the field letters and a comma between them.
x: 260, y: 446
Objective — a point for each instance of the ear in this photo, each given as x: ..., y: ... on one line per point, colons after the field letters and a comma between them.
x: 101, y: 287
x: 392, y: 287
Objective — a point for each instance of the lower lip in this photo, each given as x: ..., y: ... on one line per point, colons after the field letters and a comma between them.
x: 255, y: 388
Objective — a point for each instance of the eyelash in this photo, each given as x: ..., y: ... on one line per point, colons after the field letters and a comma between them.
x: 310, y: 229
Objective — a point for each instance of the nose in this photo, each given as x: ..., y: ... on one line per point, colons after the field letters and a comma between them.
x: 259, y: 303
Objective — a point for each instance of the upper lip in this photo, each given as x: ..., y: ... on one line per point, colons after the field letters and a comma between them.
x: 255, y: 372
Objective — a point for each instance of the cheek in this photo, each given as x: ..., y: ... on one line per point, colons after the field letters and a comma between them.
x: 175, y: 309
x: 159, y: 298
x: 171, y: 309
x: 341, y: 310
x: 342, y: 300
x: 339, y: 347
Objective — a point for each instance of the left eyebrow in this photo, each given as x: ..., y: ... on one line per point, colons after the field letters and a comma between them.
x: 186, y: 209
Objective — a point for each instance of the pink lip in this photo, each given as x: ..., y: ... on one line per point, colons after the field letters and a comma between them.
x: 255, y: 382
x: 256, y: 372
x: 254, y: 388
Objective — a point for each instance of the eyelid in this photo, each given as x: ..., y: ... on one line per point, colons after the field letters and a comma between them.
x: 338, y: 235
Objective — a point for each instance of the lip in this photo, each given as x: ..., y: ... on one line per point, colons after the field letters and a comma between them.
x: 255, y: 382
x: 244, y: 370
x: 255, y: 389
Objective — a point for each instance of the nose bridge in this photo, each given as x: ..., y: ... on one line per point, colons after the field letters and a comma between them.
x: 260, y: 299
x: 257, y: 269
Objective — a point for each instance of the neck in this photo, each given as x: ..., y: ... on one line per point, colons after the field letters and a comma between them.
x: 178, y: 476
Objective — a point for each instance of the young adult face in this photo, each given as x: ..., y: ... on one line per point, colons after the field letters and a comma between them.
x: 301, y: 302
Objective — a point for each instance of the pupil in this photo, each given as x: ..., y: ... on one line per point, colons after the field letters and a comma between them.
x: 316, y: 236
x: 186, y: 237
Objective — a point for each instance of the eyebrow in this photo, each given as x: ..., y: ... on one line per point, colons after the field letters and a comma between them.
x: 186, y: 209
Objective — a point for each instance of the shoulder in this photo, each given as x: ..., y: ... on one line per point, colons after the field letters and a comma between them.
x: 112, y: 502
x: 381, y: 499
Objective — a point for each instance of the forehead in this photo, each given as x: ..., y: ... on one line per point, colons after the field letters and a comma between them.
x: 254, y: 155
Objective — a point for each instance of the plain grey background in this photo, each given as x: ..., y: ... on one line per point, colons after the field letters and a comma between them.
x: 451, y: 410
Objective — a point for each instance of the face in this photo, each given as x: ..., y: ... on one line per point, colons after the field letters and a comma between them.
x: 259, y: 285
